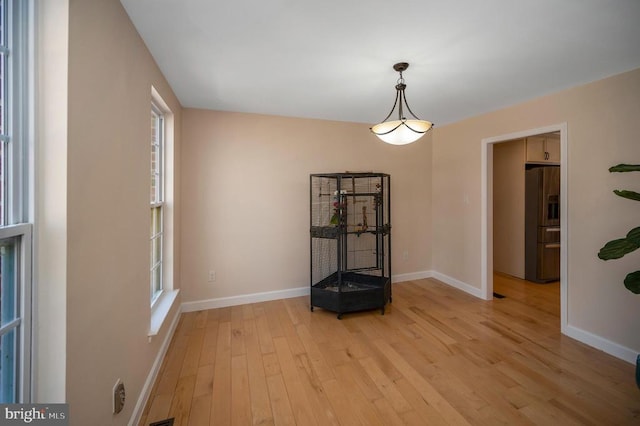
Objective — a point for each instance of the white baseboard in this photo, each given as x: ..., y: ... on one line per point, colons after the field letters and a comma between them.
x: 222, y: 302
x: 475, y: 291
x: 153, y: 374
x: 411, y: 276
x: 601, y: 343
x: 243, y: 299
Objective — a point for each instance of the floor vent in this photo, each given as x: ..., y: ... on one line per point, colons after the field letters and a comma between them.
x: 167, y: 422
x: 498, y: 295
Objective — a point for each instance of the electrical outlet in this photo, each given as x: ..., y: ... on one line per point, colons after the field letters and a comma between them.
x: 212, y: 276
x: 118, y: 397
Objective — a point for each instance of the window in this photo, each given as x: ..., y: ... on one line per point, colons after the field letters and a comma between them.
x: 157, y: 203
x: 15, y: 202
x: 163, y: 295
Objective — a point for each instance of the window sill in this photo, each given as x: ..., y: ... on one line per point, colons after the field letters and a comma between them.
x: 160, y: 311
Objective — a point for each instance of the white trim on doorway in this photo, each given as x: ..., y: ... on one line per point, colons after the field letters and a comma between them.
x: 486, y: 233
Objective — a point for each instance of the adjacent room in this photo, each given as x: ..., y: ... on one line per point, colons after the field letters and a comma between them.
x: 209, y: 220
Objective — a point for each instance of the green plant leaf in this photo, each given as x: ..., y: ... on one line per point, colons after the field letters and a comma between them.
x: 632, y: 195
x: 634, y: 236
x: 615, y: 249
x: 625, y: 168
x: 632, y: 282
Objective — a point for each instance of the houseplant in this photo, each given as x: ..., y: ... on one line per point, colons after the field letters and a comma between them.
x: 617, y: 248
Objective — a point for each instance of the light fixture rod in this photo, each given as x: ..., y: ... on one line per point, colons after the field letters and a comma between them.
x: 394, y: 106
x: 400, y: 90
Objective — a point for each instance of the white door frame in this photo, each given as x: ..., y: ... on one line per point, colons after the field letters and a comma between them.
x: 486, y: 233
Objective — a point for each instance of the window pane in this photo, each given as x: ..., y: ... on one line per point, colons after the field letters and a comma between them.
x: 155, y: 256
x: 8, y: 366
x: 156, y: 157
x: 3, y: 97
x: 8, y: 281
x: 3, y: 183
x: 156, y: 282
x: 8, y: 313
x: 156, y: 220
x: 3, y: 130
x: 154, y: 177
x: 2, y: 25
x: 156, y: 250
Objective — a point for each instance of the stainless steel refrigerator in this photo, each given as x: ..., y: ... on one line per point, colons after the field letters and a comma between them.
x: 542, y: 224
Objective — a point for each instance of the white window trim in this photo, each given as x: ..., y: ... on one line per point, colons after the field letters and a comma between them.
x: 160, y: 311
x: 163, y: 304
x: 160, y: 203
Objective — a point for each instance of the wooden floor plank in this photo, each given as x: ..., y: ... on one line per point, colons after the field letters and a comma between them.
x: 191, y: 359
x: 159, y: 408
x: 352, y: 390
x: 260, y: 404
x: 425, y: 411
x: 209, y: 341
x: 341, y: 404
x: 182, y: 399
x: 318, y: 364
x: 428, y: 392
x: 237, y: 331
x: 297, y: 396
x: 282, y: 412
x: 200, y: 411
x: 386, y: 412
x: 240, y: 396
x: 221, y: 395
x: 317, y: 399
x: 438, y: 356
x: 386, y: 386
x: 263, y: 330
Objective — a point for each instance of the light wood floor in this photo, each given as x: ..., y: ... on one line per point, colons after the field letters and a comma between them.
x: 437, y: 356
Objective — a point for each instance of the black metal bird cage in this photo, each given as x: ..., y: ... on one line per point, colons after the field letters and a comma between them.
x: 350, y: 241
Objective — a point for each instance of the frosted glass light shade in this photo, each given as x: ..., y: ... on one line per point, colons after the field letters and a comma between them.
x: 401, y: 132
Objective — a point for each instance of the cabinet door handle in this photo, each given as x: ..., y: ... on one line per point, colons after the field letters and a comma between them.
x: 554, y: 245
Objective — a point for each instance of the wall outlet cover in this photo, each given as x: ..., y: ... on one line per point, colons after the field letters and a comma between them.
x: 119, y: 396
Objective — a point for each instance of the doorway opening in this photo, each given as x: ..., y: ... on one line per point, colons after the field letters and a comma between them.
x: 487, y: 209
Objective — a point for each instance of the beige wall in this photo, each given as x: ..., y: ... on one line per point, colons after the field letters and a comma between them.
x: 245, y: 193
x: 602, y: 131
x: 508, y: 207
x: 94, y: 209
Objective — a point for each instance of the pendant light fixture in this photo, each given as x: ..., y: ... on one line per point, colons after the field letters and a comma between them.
x: 401, y: 131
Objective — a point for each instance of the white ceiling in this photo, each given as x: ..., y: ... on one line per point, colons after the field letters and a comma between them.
x: 332, y: 59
